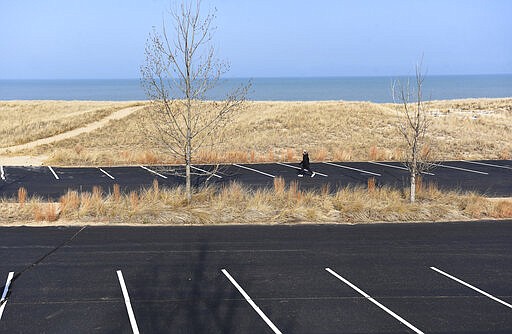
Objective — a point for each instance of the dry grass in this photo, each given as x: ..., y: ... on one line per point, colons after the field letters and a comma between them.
x: 285, y: 203
x: 279, y: 131
x: 25, y: 121
x: 46, y: 212
x: 22, y: 196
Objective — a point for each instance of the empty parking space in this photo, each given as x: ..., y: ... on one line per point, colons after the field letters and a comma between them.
x: 472, y: 287
x: 275, y: 170
x: 491, y: 163
x: 106, y: 173
x: 450, y: 165
x: 371, y: 299
x: 345, y: 166
x: 251, y: 302
x: 78, y: 316
x: 135, y: 178
x: 174, y: 279
x: 36, y: 180
x: 82, y: 179
x: 342, y: 177
x: 456, y: 175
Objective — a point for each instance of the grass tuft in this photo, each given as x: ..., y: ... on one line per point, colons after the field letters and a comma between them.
x: 279, y: 185
x: 22, y: 196
x: 371, y: 185
x: 46, y: 212
x: 116, y: 190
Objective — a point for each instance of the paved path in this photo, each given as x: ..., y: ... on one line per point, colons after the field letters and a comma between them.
x: 175, y: 279
x: 490, y: 177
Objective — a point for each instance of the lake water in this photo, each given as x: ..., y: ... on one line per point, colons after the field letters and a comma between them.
x: 375, y: 89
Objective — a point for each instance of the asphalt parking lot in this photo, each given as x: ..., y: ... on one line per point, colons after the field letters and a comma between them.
x: 489, y: 177
x: 378, y: 278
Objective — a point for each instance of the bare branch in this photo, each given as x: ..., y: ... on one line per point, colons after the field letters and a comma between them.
x: 413, y: 125
x: 179, y: 72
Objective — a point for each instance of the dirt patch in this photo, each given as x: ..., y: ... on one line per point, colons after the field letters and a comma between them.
x: 23, y: 161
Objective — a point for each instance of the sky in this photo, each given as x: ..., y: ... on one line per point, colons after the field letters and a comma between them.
x: 105, y: 39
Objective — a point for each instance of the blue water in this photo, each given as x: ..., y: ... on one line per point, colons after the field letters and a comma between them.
x: 375, y: 89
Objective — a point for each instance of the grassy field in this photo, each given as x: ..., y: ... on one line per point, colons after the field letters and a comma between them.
x: 25, y: 121
x: 278, y: 131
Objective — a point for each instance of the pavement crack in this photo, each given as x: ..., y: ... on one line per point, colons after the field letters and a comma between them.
x: 35, y: 263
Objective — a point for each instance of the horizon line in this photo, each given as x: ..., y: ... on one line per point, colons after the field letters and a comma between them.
x: 272, y: 77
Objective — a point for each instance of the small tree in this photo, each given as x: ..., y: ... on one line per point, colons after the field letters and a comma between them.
x: 179, y: 72
x: 414, y: 123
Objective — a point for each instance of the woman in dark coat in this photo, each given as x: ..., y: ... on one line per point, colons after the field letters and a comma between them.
x: 304, y: 165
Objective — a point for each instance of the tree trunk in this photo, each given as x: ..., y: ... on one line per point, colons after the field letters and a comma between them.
x: 188, y: 160
x: 413, y: 187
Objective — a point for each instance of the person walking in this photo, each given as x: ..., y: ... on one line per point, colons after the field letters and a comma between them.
x: 304, y: 165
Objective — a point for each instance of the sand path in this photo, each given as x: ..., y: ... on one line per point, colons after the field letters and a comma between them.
x: 26, y: 160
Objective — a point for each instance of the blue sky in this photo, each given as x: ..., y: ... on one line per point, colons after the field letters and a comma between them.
x: 57, y: 39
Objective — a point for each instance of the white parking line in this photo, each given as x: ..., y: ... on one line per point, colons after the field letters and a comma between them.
x: 359, y: 170
x: 107, y: 174
x: 397, y: 167
x: 386, y: 165
x: 2, y: 173
x: 486, y: 164
x: 251, y: 302
x: 298, y: 168
x: 133, y: 322
x: 53, y: 172
x: 471, y: 287
x: 152, y: 171
x: 254, y: 170
x: 463, y: 169
x: 205, y: 171
x: 3, y: 301
x: 365, y: 295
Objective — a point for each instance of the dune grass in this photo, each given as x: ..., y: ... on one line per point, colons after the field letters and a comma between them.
x: 25, y: 121
x: 235, y: 204
x: 331, y: 130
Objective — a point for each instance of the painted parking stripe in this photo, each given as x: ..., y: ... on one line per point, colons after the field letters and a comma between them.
x: 365, y: 295
x: 298, y: 168
x: 152, y: 171
x: 486, y: 164
x: 254, y: 170
x: 53, y: 172
x: 3, y: 301
x: 2, y: 173
x: 351, y: 168
x: 386, y: 165
x: 471, y: 287
x: 127, y: 302
x: 251, y: 302
x: 107, y: 174
x: 463, y: 169
x: 397, y: 167
x: 205, y: 171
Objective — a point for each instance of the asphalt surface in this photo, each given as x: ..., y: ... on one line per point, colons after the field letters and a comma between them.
x: 489, y: 177
x: 175, y: 284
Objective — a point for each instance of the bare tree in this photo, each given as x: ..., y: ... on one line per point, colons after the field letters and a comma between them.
x: 180, y: 71
x: 413, y: 125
